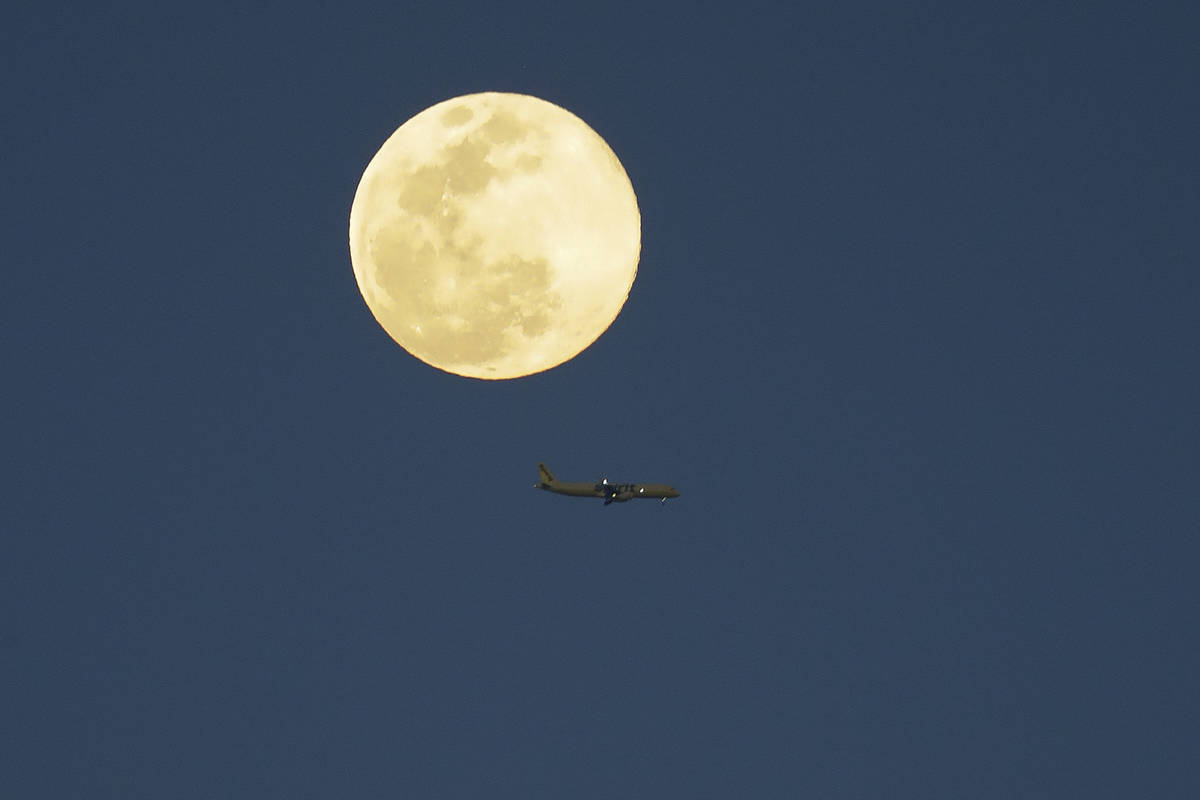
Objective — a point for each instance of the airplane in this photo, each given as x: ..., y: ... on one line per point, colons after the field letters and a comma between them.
x: 611, y: 492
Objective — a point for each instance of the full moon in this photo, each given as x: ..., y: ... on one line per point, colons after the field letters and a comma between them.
x: 495, y: 235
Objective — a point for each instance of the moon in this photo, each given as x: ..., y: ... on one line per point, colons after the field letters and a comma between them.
x: 495, y: 235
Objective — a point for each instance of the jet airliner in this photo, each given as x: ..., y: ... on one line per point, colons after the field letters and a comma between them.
x: 611, y: 492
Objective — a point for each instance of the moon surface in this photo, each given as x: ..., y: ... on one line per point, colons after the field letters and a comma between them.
x: 495, y: 235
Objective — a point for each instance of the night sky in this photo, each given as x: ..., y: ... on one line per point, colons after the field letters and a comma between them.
x: 915, y: 332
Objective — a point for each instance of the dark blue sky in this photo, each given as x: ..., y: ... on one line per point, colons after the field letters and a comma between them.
x: 915, y: 331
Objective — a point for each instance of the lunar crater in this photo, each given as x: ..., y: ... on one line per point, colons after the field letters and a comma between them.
x: 457, y: 116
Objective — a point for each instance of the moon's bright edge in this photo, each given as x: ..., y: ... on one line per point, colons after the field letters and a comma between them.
x: 495, y: 235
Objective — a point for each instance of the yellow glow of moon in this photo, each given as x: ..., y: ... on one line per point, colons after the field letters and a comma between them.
x: 495, y: 235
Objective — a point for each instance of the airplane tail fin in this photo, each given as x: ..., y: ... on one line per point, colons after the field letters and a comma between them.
x: 546, y: 475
